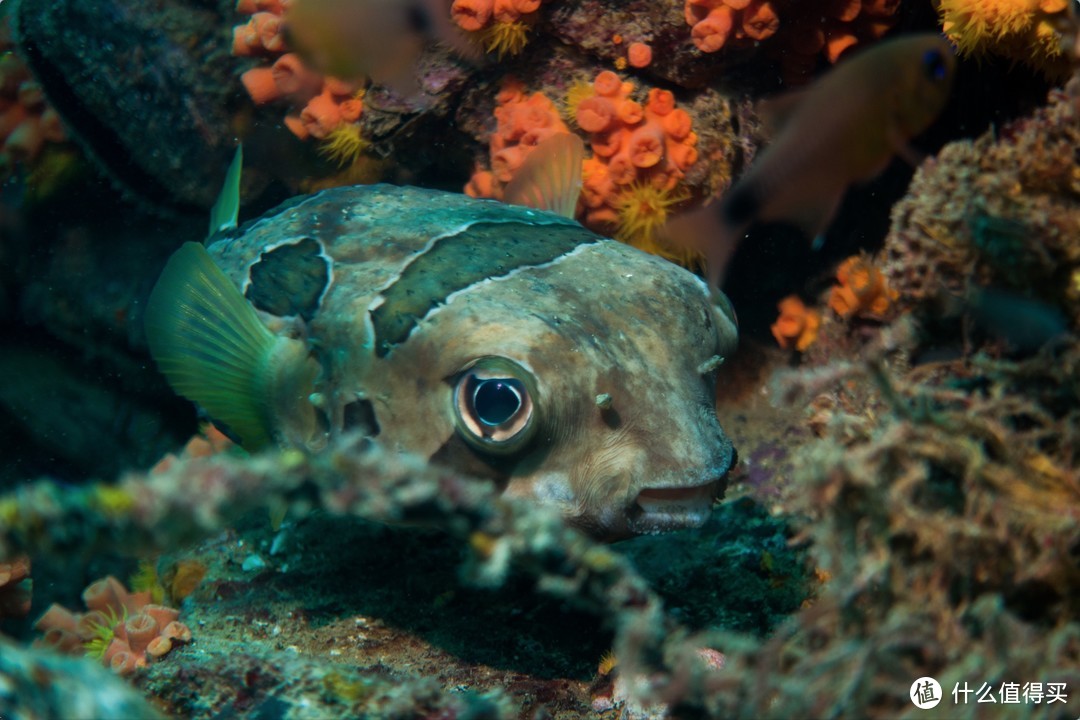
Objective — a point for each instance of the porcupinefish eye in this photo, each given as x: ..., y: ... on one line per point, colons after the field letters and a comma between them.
x: 493, y: 405
x: 496, y: 400
x: 934, y: 64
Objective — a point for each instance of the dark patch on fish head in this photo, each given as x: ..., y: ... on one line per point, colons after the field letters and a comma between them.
x: 462, y: 260
x: 289, y: 279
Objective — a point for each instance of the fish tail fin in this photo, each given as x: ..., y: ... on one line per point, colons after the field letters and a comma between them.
x: 550, y: 178
x: 707, y: 231
x: 226, y: 210
x: 211, y: 346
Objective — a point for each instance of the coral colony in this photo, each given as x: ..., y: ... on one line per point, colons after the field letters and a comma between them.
x: 888, y: 520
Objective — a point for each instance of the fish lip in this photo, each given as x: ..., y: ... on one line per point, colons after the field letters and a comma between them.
x: 665, y: 508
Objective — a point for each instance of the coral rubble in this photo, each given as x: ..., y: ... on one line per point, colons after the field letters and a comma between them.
x: 946, y: 522
x: 998, y: 211
x: 74, y: 688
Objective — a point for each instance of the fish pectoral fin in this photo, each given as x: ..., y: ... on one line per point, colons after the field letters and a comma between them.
x: 776, y: 111
x: 815, y: 211
x: 209, y: 343
x: 550, y: 178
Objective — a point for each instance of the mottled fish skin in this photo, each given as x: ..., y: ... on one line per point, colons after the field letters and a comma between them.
x: 459, y: 279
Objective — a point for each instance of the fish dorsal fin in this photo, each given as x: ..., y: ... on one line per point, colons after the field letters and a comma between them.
x: 550, y: 178
x: 227, y: 208
x: 210, y: 345
x: 776, y: 111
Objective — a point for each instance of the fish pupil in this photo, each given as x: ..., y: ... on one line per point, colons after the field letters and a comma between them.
x: 935, y: 65
x: 497, y: 400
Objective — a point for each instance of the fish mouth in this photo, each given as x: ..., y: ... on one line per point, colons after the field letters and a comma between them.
x: 662, y: 509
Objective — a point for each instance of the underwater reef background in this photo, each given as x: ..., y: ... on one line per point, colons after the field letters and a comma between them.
x: 905, y: 401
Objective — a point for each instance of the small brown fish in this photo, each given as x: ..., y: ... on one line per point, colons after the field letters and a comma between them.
x: 843, y: 129
x: 376, y: 39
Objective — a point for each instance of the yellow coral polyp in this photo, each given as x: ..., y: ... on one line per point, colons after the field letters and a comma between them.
x: 1015, y: 28
x: 506, y: 38
x: 642, y: 210
x: 103, y: 634
x: 145, y: 579
x: 112, y: 501
x: 608, y: 662
x: 9, y: 512
x: 577, y: 92
x: 344, y: 145
x: 971, y: 23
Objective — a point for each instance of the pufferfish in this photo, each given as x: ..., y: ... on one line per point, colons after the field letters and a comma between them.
x: 505, y: 342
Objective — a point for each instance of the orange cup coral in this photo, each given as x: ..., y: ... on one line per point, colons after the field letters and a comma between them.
x: 862, y: 289
x: 828, y: 28
x: 122, y: 629
x: 522, y: 122
x: 639, y: 54
x: 640, y: 155
x: 502, y: 25
x: 27, y: 122
x: 715, y: 22
x: 797, y: 327
x: 15, y: 587
x: 327, y: 103
x: 208, y: 441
